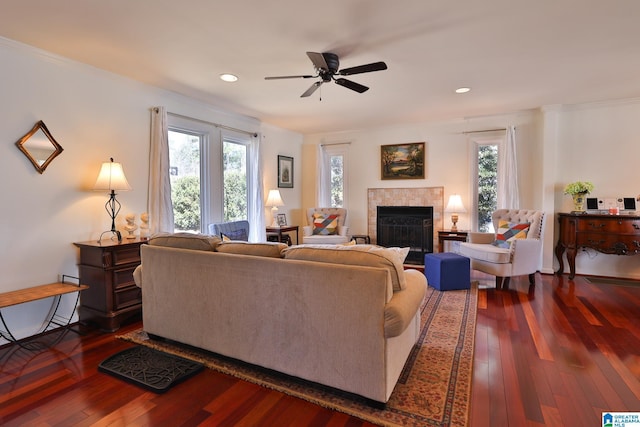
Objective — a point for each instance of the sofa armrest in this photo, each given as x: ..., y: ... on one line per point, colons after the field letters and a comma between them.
x: 137, y: 276
x: 484, y: 238
x: 404, y: 304
x: 525, y: 256
x: 343, y: 230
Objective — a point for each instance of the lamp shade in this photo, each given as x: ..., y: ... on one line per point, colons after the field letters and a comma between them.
x: 455, y: 204
x: 274, y: 198
x: 111, y: 177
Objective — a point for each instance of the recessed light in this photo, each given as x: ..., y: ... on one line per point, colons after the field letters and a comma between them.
x: 228, y: 77
x: 463, y: 89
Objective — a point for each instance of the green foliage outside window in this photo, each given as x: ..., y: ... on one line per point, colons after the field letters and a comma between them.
x: 234, y: 160
x: 337, y: 181
x: 185, y: 195
x: 487, y: 185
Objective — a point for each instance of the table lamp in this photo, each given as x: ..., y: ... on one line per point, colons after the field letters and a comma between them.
x: 274, y: 200
x: 454, y: 207
x: 111, y: 178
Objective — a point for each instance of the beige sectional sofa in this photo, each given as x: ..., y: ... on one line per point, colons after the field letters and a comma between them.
x: 346, y: 317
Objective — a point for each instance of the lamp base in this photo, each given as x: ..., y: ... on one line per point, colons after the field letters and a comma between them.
x: 114, y: 232
x: 454, y: 220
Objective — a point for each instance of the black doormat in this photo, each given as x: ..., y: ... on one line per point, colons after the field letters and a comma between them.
x: 149, y: 368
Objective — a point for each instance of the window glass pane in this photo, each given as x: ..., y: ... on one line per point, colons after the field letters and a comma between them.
x: 184, y: 169
x: 234, y: 164
x: 487, y: 185
x: 337, y: 181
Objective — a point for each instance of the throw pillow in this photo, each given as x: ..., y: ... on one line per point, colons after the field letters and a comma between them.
x: 391, y: 259
x: 325, y: 225
x: 185, y: 241
x: 509, y: 231
x: 268, y: 249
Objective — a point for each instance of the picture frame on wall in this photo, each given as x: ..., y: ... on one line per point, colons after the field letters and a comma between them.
x: 281, y: 219
x: 402, y: 161
x: 285, y: 172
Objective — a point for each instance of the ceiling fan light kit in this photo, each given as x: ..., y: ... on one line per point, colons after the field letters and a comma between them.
x: 327, y: 67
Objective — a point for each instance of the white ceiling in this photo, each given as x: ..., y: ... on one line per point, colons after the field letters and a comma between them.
x: 515, y: 55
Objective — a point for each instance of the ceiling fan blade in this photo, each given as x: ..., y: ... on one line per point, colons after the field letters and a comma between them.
x: 306, y: 76
x: 352, y: 85
x: 367, y: 68
x: 318, y: 60
x: 312, y: 89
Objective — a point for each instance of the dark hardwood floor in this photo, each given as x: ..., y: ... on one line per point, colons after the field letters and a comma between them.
x: 557, y: 354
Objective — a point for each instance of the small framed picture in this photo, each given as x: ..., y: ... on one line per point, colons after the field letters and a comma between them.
x: 281, y: 219
x: 285, y: 172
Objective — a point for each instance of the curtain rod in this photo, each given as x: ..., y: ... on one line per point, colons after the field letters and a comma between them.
x: 484, y: 130
x: 218, y: 125
x: 335, y: 143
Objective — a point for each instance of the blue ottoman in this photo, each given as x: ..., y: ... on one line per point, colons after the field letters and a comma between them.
x: 447, y: 271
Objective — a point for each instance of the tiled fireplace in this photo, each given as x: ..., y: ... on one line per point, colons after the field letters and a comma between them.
x: 423, y: 196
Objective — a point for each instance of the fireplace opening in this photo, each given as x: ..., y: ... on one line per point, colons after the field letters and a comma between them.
x: 406, y: 226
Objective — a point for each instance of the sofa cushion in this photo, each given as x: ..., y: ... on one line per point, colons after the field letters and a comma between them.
x: 325, y: 224
x: 268, y: 249
x: 486, y: 252
x: 391, y: 259
x: 198, y: 242
x: 509, y: 231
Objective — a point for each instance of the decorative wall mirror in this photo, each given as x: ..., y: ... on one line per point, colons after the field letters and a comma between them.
x: 39, y: 146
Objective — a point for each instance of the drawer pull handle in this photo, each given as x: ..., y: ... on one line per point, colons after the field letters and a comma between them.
x: 636, y: 226
x: 594, y: 225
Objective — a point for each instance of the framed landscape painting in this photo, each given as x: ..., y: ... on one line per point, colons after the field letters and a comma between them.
x: 402, y: 161
x: 285, y: 172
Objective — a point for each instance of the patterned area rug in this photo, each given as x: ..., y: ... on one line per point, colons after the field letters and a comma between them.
x: 434, y: 388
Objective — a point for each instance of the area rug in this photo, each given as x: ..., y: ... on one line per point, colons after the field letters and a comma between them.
x: 149, y: 368
x: 433, y: 390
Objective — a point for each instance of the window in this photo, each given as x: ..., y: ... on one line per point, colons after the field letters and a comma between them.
x: 335, y: 186
x: 184, y: 173
x: 485, y: 184
x: 208, y: 172
x: 234, y: 166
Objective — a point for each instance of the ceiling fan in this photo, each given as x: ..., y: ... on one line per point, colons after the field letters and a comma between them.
x: 327, y: 67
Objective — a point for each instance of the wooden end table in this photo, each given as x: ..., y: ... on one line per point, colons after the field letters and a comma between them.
x: 456, y: 236
x: 284, y: 229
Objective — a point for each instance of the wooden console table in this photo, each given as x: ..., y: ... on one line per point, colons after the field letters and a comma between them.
x: 609, y: 234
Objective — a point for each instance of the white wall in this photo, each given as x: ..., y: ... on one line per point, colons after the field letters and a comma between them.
x: 93, y: 115
x: 285, y: 143
x: 556, y: 145
x: 599, y: 143
x: 447, y: 152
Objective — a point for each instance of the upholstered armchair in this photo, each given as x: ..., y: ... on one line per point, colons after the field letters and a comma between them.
x: 234, y: 230
x: 514, y: 250
x: 326, y: 226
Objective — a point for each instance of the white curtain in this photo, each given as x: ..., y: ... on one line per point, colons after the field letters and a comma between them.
x: 508, y: 194
x: 160, y: 207
x: 256, y: 197
x: 323, y: 190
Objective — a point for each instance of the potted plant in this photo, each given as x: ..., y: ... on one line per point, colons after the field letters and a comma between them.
x: 578, y: 190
